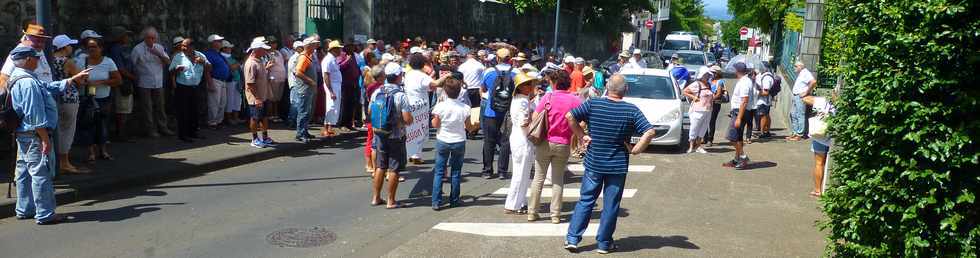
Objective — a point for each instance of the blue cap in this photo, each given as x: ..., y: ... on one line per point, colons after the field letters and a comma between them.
x: 741, y: 68
x: 23, y: 52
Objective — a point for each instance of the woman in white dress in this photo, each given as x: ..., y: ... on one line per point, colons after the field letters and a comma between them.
x: 521, y: 150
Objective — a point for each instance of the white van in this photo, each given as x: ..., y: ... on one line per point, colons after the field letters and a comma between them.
x: 675, y: 42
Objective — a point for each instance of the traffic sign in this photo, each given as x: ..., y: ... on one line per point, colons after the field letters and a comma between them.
x: 743, y: 33
x: 649, y: 24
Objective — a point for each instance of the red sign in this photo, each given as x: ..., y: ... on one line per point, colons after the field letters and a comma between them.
x: 649, y: 24
x: 744, y: 31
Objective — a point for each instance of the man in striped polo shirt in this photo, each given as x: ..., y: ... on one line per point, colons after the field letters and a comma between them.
x: 611, y: 123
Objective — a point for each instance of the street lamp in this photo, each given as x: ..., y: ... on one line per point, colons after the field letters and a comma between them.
x: 557, y: 12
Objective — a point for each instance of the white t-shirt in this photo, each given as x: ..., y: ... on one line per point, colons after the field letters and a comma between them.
x: 329, y: 65
x: 802, y: 82
x: 452, y: 120
x: 417, y: 84
x: 101, y: 71
x: 148, y: 67
x: 472, y: 71
x: 43, y: 70
x: 765, y: 82
x: 743, y: 88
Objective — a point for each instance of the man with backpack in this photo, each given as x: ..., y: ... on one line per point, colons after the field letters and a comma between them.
x: 498, y: 84
x: 765, y: 85
x: 30, y: 111
x: 390, y: 113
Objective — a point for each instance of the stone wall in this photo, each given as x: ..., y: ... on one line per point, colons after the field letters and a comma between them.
x: 238, y: 20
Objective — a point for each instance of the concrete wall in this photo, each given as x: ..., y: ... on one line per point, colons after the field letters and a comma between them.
x: 812, y: 34
x: 238, y: 20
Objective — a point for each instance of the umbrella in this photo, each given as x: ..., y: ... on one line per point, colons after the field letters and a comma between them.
x: 753, y: 59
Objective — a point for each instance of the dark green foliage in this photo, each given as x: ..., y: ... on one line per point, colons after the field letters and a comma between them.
x: 906, y: 178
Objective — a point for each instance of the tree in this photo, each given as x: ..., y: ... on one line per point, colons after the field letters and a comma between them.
x: 907, y: 170
x: 610, y: 16
x: 729, y: 33
x: 762, y: 14
x: 685, y: 15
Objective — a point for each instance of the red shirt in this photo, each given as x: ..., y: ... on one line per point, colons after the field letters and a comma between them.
x: 578, y: 81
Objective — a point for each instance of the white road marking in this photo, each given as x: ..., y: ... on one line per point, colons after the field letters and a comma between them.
x: 566, y: 193
x: 513, y: 229
x: 631, y: 169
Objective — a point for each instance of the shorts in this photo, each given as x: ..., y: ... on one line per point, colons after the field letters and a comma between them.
x: 277, y: 90
x: 390, y: 153
x: 123, y: 104
x: 762, y: 110
x: 736, y: 134
x: 818, y: 147
x: 256, y: 112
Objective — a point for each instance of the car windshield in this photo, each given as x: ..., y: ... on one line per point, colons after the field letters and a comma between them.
x: 649, y: 87
x: 691, y: 59
x: 677, y: 44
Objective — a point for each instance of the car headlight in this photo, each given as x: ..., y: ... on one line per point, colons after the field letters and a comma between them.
x: 669, y: 116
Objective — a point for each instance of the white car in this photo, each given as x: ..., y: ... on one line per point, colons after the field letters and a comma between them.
x: 660, y: 99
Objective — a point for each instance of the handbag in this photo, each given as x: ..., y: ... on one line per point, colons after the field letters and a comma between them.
x: 537, y: 130
x: 818, y: 126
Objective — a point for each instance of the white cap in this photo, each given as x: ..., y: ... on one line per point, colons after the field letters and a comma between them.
x: 89, y: 34
x: 579, y: 60
x: 214, y: 37
x: 569, y: 59
x: 704, y: 70
x: 310, y: 40
x: 178, y: 39
x: 450, y: 40
x: 298, y: 43
x: 61, y: 41
x: 226, y: 44
x: 414, y: 50
x: 258, y: 42
x: 393, y: 69
x: 387, y: 57
x: 637, y: 51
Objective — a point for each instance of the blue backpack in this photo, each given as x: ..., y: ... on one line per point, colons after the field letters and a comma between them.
x: 384, y: 114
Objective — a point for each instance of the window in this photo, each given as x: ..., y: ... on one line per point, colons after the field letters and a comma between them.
x: 691, y: 59
x: 649, y: 87
x: 677, y: 45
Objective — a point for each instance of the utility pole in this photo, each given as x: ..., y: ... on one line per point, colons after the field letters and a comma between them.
x: 43, y: 13
x: 557, y: 13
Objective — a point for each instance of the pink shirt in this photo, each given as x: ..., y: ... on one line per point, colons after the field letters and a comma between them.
x: 561, y: 103
x: 704, y: 103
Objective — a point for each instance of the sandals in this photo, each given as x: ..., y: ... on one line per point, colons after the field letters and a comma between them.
x: 394, y: 206
x: 376, y: 203
x: 815, y: 194
x: 106, y: 156
x: 513, y: 212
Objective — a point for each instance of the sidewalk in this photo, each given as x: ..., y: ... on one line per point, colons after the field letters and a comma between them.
x: 150, y: 161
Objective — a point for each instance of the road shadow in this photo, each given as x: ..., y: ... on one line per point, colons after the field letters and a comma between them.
x: 636, y: 243
x: 760, y: 164
x: 259, y: 182
x: 719, y: 150
x: 117, y: 214
x: 123, y: 196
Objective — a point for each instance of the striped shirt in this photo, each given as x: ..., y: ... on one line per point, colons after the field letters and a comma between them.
x: 611, y: 124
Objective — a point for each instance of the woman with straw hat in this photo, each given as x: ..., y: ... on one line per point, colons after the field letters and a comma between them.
x: 521, y: 151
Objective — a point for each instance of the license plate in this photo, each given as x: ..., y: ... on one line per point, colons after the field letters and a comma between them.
x: 634, y: 140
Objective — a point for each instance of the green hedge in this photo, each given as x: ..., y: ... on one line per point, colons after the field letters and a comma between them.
x: 906, y: 178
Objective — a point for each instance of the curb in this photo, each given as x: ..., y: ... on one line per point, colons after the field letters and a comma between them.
x: 135, y: 180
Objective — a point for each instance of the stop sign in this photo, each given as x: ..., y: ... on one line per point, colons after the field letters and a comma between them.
x: 649, y: 24
x: 744, y: 31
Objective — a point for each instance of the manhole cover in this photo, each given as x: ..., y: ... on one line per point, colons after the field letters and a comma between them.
x: 301, y: 237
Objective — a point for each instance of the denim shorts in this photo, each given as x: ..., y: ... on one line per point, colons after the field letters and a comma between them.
x: 256, y: 112
x: 818, y: 147
x: 736, y: 134
x: 762, y: 110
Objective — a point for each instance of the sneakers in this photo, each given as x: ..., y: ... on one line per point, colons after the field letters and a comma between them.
x: 690, y: 150
x: 571, y: 247
x: 701, y: 150
x: 268, y: 142
x: 258, y: 143
x: 742, y: 164
x: 607, y: 250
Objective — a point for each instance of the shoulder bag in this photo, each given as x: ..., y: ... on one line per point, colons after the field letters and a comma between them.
x: 537, y: 130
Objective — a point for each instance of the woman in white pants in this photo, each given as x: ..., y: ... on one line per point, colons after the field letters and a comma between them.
x: 521, y: 151
x: 701, y: 97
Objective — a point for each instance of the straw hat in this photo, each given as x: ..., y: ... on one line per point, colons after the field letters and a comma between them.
x: 334, y: 44
x: 35, y: 30
x: 522, y: 79
x: 587, y: 71
x: 520, y: 57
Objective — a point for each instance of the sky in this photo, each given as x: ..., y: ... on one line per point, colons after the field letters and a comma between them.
x: 717, y: 9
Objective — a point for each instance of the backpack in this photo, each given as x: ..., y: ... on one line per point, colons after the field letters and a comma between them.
x: 503, y: 91
x: 776, y: 85
x: 384, y: 114
x: 9, y: 119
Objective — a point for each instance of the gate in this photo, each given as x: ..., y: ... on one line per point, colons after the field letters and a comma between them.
x: 326, y: 18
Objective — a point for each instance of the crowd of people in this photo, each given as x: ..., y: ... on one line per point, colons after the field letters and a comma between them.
x: 535, y: 112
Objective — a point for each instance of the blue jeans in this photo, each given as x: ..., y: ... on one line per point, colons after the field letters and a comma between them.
x: 302, y: 102
x: 35, y: 190
x: 612, y: 189
x: 453, y: 152
x: 797, y: 115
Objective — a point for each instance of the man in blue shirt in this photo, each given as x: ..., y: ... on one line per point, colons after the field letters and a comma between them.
x: 35, y: 106
x: 493, y: 122
x: 611, y: 123
x: 220, y: 80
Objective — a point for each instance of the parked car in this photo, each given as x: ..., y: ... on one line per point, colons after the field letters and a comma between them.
x: 693, y: 60
x: 660, y: 99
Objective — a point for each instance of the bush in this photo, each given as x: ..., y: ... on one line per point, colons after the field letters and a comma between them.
x: 906, y: 177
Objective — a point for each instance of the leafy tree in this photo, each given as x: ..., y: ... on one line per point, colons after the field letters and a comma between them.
x: 762, y: 14
x: 611, y: 16
x: 685, y: 15
x: 907, y: 170
x: 729, y: 33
